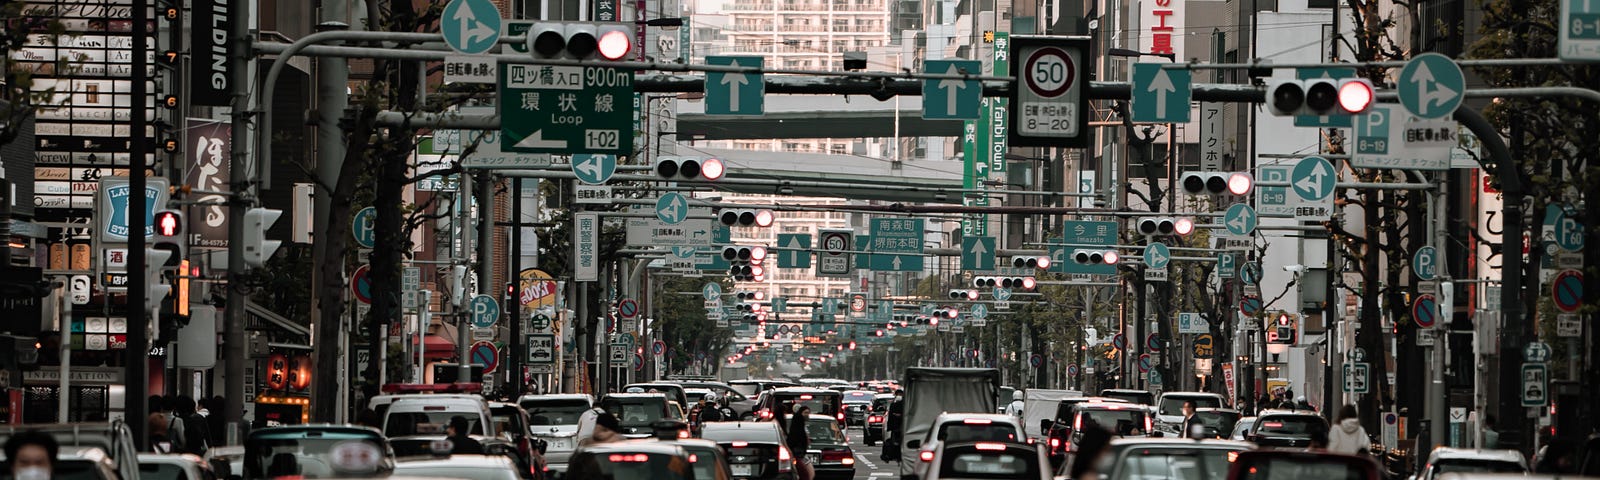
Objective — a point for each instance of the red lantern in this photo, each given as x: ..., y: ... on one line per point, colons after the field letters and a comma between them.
x: 301, y: 369
x: 277, y: 371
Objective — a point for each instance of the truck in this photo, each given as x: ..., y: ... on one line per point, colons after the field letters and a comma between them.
x: 1040, y: 404
x: 929, y: 392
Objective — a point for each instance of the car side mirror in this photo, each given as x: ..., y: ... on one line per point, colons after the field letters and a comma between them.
x: 1046, y: 424
x: 914, y: 444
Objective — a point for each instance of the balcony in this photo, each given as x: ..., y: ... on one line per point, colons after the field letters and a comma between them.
x: 751, y: 6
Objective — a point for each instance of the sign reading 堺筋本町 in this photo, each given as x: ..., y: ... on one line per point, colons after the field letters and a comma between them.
x: 1162, y: 22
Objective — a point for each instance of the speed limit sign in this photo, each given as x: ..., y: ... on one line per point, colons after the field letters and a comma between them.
x: 1048, y: 102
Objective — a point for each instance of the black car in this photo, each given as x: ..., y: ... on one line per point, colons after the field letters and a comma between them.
x: 1286, y: 429
x: 1058, y: 429
x: 830, y: 451
x: 755, y: 449
x: 1215, y: 422
x: 637, y: 459
x: 1141, y: 397
x: 512, y: 420
x: 634, y: 411
x: 877, y: 417
x: 1137, y: 457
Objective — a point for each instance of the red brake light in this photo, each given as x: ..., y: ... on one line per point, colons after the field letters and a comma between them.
x: 627, y: 458
x: 740, y: 444
x: 785, y: 459
x: 977, y: 421
x: 694, y: 458
x: 1055, y: 443
x: 805, y: 397
x: 683, y: 434
x: 926, y: 455
x: 841, y: 416
x: 991, y: 446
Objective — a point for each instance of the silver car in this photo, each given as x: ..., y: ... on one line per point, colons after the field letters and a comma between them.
x: 554, y: 419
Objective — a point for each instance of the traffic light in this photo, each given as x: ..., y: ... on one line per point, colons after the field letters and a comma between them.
x: 746, y: 218
x: 169, y: 236
x: 750, y: 295
x: 1218, y: 183
x: 1095, y: 257
x: 689, y: 168
x: 257, y: 248
x: 963, y: 294
x: 1153, y: 226
x: 580, y: 40
x: 1282, y: 330
x: 1039, y: 262
x: 1319, y: 96
x: 155, y: 286
x: 746, y: 263
x: 1026, y: 283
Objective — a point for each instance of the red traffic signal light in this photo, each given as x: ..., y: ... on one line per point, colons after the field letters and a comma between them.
x: 1355, y: 95
x: 169, y: 223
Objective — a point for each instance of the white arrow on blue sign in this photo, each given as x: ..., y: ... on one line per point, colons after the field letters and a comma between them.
x: 951, y: 98
x: 470, y: 26
x: 1432, y: 86
x: 672, y: 208
x: 977, y: 253
x: 1002, y: 294
x: 1240, y: 220
x: 594, y: 168
x: 794, y: 250
x: 485, y: 311
x: 712, y: 291
x: 1161, y: 95
x: 735, y: 93
x: 1312, y: 180
x: 1157, y: 255
x: 1426, y: 263
x: 979, y: 311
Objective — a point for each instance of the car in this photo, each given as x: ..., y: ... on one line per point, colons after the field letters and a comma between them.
x: 512, y: 421
x: 554, y: 419
x: 1058, y: 436
x: 156, y: 466
x: 1589, y: 456
x: 830, y: 452
x: 674, y: 391
x: 226, y: 460
x: 986, y: 460
x: 1241, y: 429
x: 856, y: 405
x: 755, y: 449
x: 706, y: 458
x: 1140, y: 397
x: 465, y: 467
x: 1121, y: 419
x: 822, y: 402
x: 877, y: 417
x: 1169, y: 409
x: 966, y: 427
x: 1301, y: 465
x: 113, y: 439
x: 753, y: 387
x: 632, y: 459
x: 634, y: 411
x: 429, y: 414
x: 822, y: 382
x: 1215, y: 422
x: 1285, y: 428
x: 742, y: 404
x: 1169, y: 457
x: 1444, y: 460
x: 316, y: 451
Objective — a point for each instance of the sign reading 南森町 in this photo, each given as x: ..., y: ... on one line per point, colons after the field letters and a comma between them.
x: 1161, y: 22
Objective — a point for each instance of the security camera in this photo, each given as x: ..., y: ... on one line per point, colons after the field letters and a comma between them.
x: 1296, y: 268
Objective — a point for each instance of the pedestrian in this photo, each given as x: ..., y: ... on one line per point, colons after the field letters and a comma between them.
x: 1348, y: 435
x: 891, y: 428
x: 456, y: 432
x: 1319, y: 439
x: 160, y: 440
x: 32, y: 455
x: 607, y: 429
x: 1491, y: 437
x: 799, y: 442
x: 1017, y: 401
x: 1186, y: 430
x: 709, y: 411
x: 195, y: 437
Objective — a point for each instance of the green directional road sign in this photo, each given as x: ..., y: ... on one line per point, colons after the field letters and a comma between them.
x: 672, y: 208
x: 711, y: 258
x: 1312, y: 180
x: 730, y: 93
x: 594, y: 168
x: 977, y: 253
x: 1274, y: 201
x: 470, y: 26
x: 1157, y: 255
x: 780, y: 304
x: 1431, y: 86
x: 566, y: 109
x: 1077, y: 235
x: 1324, y: 121
x: 1580, y: 31
x: 794, y: 250
x: 1160, y: 95
x: 951, y: 98
x: 901, y: 240
x: 1240, y: 220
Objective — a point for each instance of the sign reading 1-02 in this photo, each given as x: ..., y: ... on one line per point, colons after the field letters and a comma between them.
x: 566, y: 109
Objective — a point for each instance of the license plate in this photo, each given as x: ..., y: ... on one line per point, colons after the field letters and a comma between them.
x: 561, y: 444
x: 743, y: 470
x: 812, y: 459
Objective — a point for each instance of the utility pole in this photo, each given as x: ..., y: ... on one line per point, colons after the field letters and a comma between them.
x: 233, y: 337
x: 333, y: 75
x: 138, y: 353
x: 512, y: 363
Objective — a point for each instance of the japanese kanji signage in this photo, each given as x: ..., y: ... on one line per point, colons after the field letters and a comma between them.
x: 566, y: 109
x: 1211, y: 145
x: 1162, y: 21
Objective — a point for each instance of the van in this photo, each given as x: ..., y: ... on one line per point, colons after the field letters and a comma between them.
x: 113, y: 438
x: 554, y: 418
x: 824, y: 402
x: 428, y: 414
x: 930, y: 392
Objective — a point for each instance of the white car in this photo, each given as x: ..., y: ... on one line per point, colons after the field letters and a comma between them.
x: 467, y: 467
x: 1472, y: 460
x: 987, y: 460
x: 554, y: 418
x: 158, y: 466
x: 965, y: 428
x: 1169, y: 409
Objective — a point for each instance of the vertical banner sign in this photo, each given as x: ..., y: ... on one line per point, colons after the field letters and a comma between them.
x: 209, y: 80
x: 1162, y: 21
x: 974, y: 174
x: 209, y: 144
x: 586, y: 247
x: 1211, y: 146
x: 998, y: 122
x: 605, y: 10
x: 684, y: 40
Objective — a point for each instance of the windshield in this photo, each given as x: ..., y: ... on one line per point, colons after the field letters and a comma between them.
x: 858, y: 397
x: 747, y: 389
x: 456, y: 471
x: 1173, y: 405
x: 402, y: 424
x: 657, y: 466
x: 1128, y: 421
x: 160, y: 471
x: 306, y: 457
x: 987, y: 465
x: 762, y: 432
x: 704, y: 462
x: 825, y: 430
x: 1142, y: 398
x: 554, y: 412
x: 635, y: 412
x: 820, y: 403
x: 881, y: 404
x: 1194, y: 465
x: 1298, y: 425
x: 1476, y: 466
x: 979, y: 432
x: 1221, y: 421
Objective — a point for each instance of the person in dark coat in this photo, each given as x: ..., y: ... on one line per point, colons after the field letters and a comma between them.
x: 456, y: 432
x: 799, y: 441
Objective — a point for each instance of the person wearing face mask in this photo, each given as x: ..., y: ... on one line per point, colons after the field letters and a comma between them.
x: 32, y: 455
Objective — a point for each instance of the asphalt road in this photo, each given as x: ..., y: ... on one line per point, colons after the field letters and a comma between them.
x: 868, y: 465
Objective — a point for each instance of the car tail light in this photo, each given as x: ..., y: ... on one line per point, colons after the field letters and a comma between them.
x: 926, y: 455
x: 841, y: 416
x: 977, y: 421
x: 683, y: 434
x: 848, y: 461
x: 740, y: 444
x: 991, y: 446
x: 840, y: 455
x: 806, y: 397
x: 1149, y: 427
x: 1030, y: 441
x: 785, y: 459
x: 626, y: 458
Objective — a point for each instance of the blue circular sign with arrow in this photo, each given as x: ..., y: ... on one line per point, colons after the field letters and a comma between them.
x: 1240, y: 220
x: 1431, y: 86
x: 1313, y: 179
x: 470, y: 26
x: 672, y: 208
x: 594, y: 168
x: 1157, y: 255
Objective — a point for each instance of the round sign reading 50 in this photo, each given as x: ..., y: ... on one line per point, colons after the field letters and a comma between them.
x: 1049, y: 72
x: 835, y: 243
